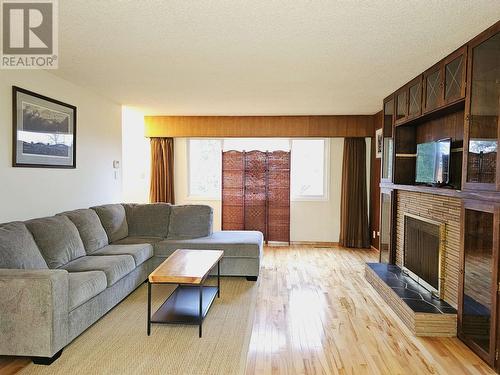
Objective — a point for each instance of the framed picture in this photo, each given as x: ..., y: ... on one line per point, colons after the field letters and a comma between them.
x: 44, y: 131
x: 379, y: 139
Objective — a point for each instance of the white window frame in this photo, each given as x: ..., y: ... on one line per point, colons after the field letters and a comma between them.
x: 326, y: 175
x: 191, y: 196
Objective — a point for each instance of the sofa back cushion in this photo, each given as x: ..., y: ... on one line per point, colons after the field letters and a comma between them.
x: 18, y: 249
x: 113, y: 220
x: 148, y: 220
x: 57, y: 238
x: 190, y: 221
x: 89, y: 226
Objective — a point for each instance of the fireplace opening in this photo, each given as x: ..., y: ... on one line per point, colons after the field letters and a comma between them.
x: 422, y: 255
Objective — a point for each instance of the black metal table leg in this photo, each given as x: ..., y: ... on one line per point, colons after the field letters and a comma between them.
x: 149, y: 308
x: 201, y: 308
x: 218, y: 279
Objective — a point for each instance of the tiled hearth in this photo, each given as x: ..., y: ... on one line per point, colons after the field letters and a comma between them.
x: 415, y: 306
x: 415, y: 296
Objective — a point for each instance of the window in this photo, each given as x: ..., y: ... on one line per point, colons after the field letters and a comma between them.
x: 204, y: 165
x: 308, y: 170
x: 309, y: 166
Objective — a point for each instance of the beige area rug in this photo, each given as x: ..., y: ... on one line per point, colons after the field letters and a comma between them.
x: 118, y: 344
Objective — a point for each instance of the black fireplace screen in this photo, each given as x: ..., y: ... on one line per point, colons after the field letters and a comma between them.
x: 422, y: 250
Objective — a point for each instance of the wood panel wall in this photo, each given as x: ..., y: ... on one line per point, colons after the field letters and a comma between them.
x: 259, y: 126
x: 378, y: 119
x: 445, y: 210
x: 448, y: 125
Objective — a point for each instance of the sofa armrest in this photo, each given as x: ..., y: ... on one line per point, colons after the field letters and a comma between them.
x: 33, y: 312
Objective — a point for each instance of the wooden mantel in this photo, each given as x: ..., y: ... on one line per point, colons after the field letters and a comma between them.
x: 260, y: 126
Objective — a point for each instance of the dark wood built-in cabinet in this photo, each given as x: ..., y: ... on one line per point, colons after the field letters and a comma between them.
x: 444, y: 83
x: 401, y: 105
x: 386, y: 246
x: 415, y: 98
x: 478, y: 302
x: 456, y: 98
x: 409, y: 101
x: 388, y: 146
x: 482, y: 113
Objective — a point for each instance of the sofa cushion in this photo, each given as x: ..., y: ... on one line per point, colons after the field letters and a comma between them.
x: 114, y: 266
x: 148, y: 219
x: 113, y: 220
x: 137, y: 240
x: 140, y: 252
x: 85, y: 285
x: 190, y: 221
x: 89, y: 226
x: 18, y: 249
x: 242, y: 244
x: 57, y: 238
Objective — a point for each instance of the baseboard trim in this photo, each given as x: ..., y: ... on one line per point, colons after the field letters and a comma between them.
x: 315, y: 243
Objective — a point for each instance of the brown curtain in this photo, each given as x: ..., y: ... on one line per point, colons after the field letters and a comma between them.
x: 354, y: 229
x: 162, y: 170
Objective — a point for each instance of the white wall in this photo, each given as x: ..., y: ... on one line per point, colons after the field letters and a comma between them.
x: 319, y: 221
x: 136, y: 157
x: 26, y: 193
x: 316, y: 221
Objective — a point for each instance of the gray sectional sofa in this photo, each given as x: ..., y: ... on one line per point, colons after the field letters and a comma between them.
x: 60, y: 274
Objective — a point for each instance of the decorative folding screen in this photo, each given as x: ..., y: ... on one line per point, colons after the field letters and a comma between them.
x: 278, y: 196
x: 255, y: 207
x: 233, y: 190
x: 256, y: 193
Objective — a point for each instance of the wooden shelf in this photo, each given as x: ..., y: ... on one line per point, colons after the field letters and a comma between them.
x: 489, y: 196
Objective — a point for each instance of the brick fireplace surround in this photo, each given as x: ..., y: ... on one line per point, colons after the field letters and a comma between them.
x: 415, y: 306
x: 442, y: 209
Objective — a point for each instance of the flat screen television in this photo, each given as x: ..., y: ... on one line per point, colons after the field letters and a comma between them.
x: 433, y: 162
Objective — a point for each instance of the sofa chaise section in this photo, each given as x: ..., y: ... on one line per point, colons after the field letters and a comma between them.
x: 242, y: 250
x: 191, y: 227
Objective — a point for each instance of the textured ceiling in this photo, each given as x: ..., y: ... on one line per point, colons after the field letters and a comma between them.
x: 259, y: 57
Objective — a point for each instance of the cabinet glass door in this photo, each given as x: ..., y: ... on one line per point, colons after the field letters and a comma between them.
x: 401, y: 105
x: 385, y: 226
x: 433, y: 85
x: 387, y: 145
x: 415, y: 99
x: 453, y: 79
x: 479, y: 280
x: 483, y: 116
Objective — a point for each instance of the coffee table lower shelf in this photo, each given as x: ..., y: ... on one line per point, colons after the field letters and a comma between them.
x: 183, y: 306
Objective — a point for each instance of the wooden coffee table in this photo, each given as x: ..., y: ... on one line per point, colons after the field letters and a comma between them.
x: 190, y: 301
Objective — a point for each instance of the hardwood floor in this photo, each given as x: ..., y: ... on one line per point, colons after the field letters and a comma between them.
x: 316, y: 314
